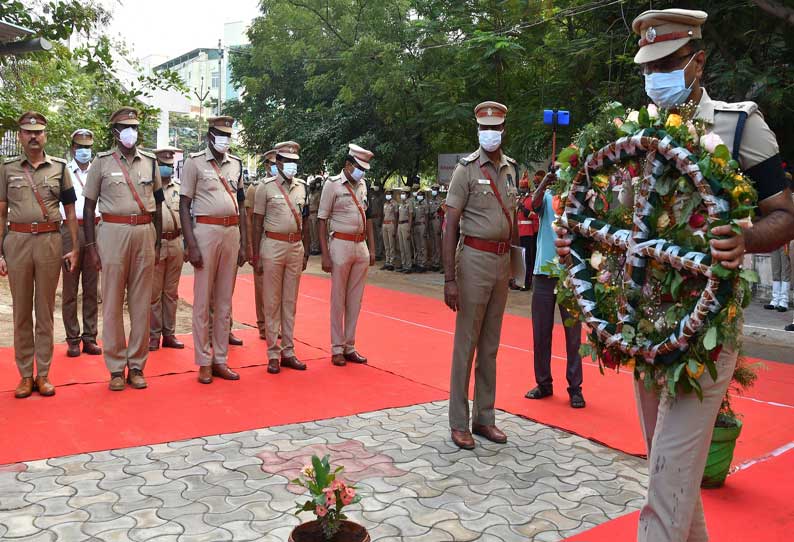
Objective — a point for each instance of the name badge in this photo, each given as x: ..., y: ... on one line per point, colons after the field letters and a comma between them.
x: 278, y: 196
x: 483, y: 181
x: 116, y: 174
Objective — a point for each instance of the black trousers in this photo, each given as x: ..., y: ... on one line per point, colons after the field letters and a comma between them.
x: 543, y: 302
x: 529, y: 242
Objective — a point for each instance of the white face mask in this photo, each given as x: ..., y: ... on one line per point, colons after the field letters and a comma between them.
x: 290, y: 169
x: 128, y: 137
x: 420, y: 198
x: 388, y: 197
x: 490, y: 140
x: 273, y: 170
x: 403, y: 197
x: 434, y: 193
x: 357, y: 174
x: 221, y: 143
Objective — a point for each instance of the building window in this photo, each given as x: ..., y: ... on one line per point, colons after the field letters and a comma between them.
x: 216, y: 79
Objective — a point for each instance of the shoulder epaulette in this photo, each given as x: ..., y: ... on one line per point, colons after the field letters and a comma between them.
x: 333, y: 178
x: 58, y: 160
x: 470, y: 158
x: 104, y: 154
x: 511, y: 160
x: 196, y: 154
x: 12, y: 159
x: 147, y: 154
x: 268, y: 180
x: 301, y: 181
x: 736, y: 107
x: 233, y: 157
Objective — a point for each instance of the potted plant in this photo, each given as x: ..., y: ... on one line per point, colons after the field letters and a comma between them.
x: 727, y: 428
x: 329, y: 495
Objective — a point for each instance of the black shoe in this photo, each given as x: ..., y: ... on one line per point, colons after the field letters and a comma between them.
x: 539, y: 393
x: 781, y: 308
x: 770, y: 307
x: 388, y: 267
x: 420, y: 269
x: 577, y: 400
x: 789, y: 327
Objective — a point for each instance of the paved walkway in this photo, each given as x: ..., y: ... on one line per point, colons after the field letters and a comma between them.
x: 543, y: 485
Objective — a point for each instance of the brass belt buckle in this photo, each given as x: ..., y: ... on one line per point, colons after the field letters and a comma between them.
x: 34, y: 228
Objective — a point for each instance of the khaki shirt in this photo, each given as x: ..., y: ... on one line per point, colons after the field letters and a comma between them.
x: 339, y: 209
x: 250, y: 193
x: 405, y: 211
x: 201, y: 184
x: 390, y: 211
x: 106, y: 184
x: 51, y: 179
x: 171, y: 207
x: 471, y: 193
x: 421, y: 211
x: 271, y: 204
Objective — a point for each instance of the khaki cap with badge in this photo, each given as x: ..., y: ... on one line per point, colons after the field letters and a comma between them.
x: 222, y: 124
x: 361, y: 155
x: 270, y: 156
x: 128, y: 116
x: 165, y: 155
x: 287, y: 149
x: 663, y: 32
x: 32, y: 121
x: 82, y: 136
x: 490, y: 113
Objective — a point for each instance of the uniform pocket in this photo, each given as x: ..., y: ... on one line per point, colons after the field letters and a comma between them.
x: 54, y: 188
x: 18, y: 191
x: 147, y: 186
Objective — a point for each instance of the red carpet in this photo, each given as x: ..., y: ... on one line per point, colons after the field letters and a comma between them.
x: 754, y: 506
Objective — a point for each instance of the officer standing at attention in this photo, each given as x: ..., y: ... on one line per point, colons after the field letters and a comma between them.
x: 376, y: 201
x: 281, y: 248
x: 389, y: 231
x: 125, y: 183
x: 165, y: 288
x: 82, y: 142
x: 421, y: 219
x: 678, y: 432
x: 344, y: 228
x: 405, y: 218
x: 250, y: 193
x: 31, y: 187
x: 480, y: 198
x: 212, y: 184
x: 436, y: 221
x: 315, y: 190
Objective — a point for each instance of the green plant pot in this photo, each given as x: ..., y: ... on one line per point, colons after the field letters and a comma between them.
x: 312, y: 532
x: 723, y: 442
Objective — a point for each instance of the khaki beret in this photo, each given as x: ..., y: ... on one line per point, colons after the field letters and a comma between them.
x: 165, y: 155
x: 223, y: 123
x: 32, y: 121
x: 287, y: 149
x: 490, y: 113
x: 127, y: 116
x: 663, y: 32
x: 82, y: 136
x: 361, y: 155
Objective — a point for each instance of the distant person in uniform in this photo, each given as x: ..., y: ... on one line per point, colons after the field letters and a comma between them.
x: 165, y: 289
x: 32, y: 185
x: 678, y: 432
x: 348, y: 246
x: 315, y: 191
x: 477, y: 270
x: 405, y: 220
x: 389, y: 229
x: 259, y: 295
x: 281, y: 248
x: 212, y: 185
x: 125, y: 184
x: 436, y: 222
x: 82, y: 144
x: 376, y: 201
x: 420, y: 223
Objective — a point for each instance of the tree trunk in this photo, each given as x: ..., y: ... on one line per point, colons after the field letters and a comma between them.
x: 778, y: 10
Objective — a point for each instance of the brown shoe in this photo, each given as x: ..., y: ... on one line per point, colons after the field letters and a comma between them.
x: 117, y: 382
x: 273, y: 367
x: 44, y: 387
x: 293, y: 363
x: 463, y: 439
x: 73, y: 350
x: 135, y: 379
x: 355, y: 357
x: 170, y: 341
x: 262, y: 335
x: 234, y: 340
x: 490, y: 432
x: 205, y: 374
x: 154, y: 344
x: 91, y: 348
x: 223, y: 372
x: 338, y: 360
x: 25, y: 388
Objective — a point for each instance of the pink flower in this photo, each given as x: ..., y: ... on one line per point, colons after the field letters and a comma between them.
x: 330, y: 498
x: 697, y: 221
x: 337, y: 484
x: 321, y: 511
x: 653, y: 111
x: 711, y: 141
x: 348, y: 495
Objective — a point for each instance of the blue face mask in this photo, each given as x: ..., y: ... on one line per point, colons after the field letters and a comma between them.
x: 82, y: 155
x: 273, y: 170
x: 668, y: 89
x: 166, y: 171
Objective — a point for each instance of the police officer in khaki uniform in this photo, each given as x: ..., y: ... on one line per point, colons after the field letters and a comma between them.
x: 405, y: 219
x: 376, y: 202
x: 125, y: 183
x: 389, y: 230
x: 421, y: 220
x: 678, y: 431
x: 165, y: 289
x: 31, y: 187
x: 250, y: 193
x: 82, y: 143
x: 215, y: 235
x: 348, y: 246
x: 315, y: 191
x: 281, y: 248
x: 477, y: 272
x: 436, y: 221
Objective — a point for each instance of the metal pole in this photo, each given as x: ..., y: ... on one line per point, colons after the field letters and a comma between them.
x: 220, y: 75
x: 201, y: 95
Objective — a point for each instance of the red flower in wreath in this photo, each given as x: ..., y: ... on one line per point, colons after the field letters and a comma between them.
x: 697, y: 221
x: 609, y: 360
x: 716, y: 353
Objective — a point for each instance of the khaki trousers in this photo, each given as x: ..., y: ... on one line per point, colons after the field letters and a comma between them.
x: 482, y: 279
x: 389, y: 240
x: 377, y: 229
x: 406, y: 245
x: 127, y: 254
x: 259, y: 293
x: 283, y: 264
x: 436, y: 259
x: 34, y: 265
x: 420, y: 244
x: 350, y: 264
x: 213, y: 284
x: 71, y: 283
x: 314, y: 232
x: 165, y: 289
x: 678, y: 435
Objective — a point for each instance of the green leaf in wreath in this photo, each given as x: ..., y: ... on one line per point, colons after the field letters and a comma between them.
x: 749, y: 275
x: 696, y: 387
x: 721, y: 272
x: 663, y: 185
x: 710, y: 339
x: 722, y: 153
x: 585, y: 350
x: 644, y: 117
x: 565, y: 155
x: 711, y: 367
x: 675, y: 287
x: 671, y: 382
x: 629, y: 333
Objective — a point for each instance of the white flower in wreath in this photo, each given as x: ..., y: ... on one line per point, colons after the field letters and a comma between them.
x: 693, y: 131
x: 634, y: 116
x: 596, y: 260
x: 663, y: 221
x: 653, y: 111
x: 711, y: 141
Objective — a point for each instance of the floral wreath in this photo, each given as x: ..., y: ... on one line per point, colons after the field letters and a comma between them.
x: 641, y: 276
